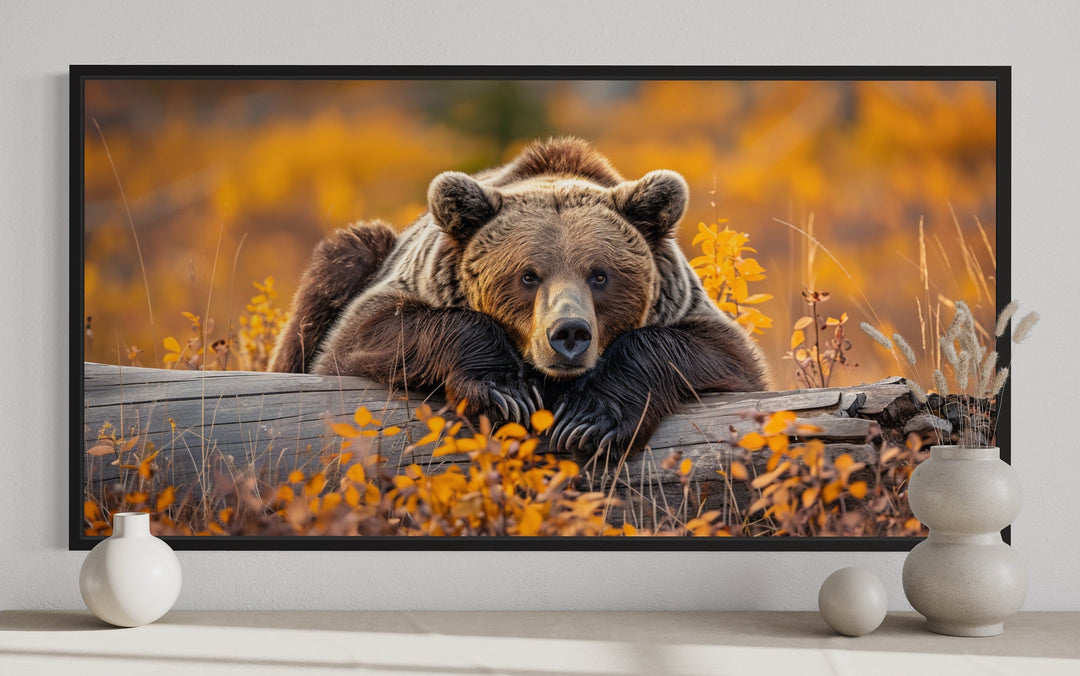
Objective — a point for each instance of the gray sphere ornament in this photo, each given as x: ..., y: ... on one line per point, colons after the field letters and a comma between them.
x: 853, y: 601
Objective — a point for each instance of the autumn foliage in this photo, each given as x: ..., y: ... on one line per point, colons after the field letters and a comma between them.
x: 812, y: 204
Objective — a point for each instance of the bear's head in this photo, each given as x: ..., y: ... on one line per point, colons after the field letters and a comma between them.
x: 564, y: 265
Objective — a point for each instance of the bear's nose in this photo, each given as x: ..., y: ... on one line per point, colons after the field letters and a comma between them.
x: 570, y: 337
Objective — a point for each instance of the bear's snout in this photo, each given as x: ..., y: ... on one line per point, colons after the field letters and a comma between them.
x: 570, y: 338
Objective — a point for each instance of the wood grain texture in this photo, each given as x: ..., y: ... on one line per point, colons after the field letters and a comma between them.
x: 206, y: 422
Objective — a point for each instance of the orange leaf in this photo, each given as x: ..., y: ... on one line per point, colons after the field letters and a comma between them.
x: 391, y: 431
x: 778, y: 422
x: 171, y: 345
x: 831, y: 491
x: 296, y: 476
x: 738, y: 471
x: 165, y: 498
x: 778, y: 443
x: 843, y: 461
x: 345, y: 430
x: 766, y: 479
x: 362, y: 416
x: 809, y: 495
x: 352, y: 496
x: 356, y: 473
x: 858, y: 490
x: 90, y: 510
x: 686, y: 466
x: 136, y: 497
x: 752, y: 441
x: 541, y: 420
x: 511, y: 431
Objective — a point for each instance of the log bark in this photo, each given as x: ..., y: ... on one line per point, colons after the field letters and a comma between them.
x: 200, y: 423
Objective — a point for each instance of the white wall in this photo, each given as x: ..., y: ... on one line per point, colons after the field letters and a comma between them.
x: 40, y: 39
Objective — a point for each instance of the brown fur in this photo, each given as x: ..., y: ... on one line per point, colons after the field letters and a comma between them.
x: 475, y: 296
x: 341, y: 267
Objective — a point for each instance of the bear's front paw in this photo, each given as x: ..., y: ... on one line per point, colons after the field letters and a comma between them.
x: 502, y: 397
x: 588, y: 420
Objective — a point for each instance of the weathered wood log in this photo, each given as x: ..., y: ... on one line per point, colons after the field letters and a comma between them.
x: 272, y: 423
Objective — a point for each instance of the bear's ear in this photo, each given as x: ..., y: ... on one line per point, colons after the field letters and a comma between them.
x: 460, y: 205
x: 654, y: 204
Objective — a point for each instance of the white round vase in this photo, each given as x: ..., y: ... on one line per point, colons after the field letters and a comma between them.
x: 963, y: 578
x: 131, y: 578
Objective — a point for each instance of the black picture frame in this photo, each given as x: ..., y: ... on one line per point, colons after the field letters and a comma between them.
x: 80, y: 74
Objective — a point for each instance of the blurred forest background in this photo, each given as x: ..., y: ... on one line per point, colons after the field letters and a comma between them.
x: 232, y: 182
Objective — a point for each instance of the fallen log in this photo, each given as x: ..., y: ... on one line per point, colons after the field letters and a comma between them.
x: 272, y: 423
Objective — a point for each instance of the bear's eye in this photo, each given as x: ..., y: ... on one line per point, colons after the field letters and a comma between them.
x: 598, y: 278
x: 530, y: 279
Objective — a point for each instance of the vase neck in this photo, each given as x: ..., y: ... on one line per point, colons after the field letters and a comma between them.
x: 131, y: 524
x: 965, y: 453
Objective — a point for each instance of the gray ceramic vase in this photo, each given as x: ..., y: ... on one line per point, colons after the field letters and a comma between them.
x: 963, y: 578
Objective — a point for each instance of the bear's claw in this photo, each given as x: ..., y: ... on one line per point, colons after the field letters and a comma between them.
x: 584, y: 416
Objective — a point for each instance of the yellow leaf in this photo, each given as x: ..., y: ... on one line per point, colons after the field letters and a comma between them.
x: 391, y: 431
x: 843, y: 462
x: 809, y: 495
x: 756, y: 298
x: 362, y: 416
x: 797, y: 338
x: 739, y: 291
x: 541, y: 420
x: 436, y: 423
x: 685, y: 466
x: 752, y: 441
x: 738, y: 471
x: 803, y: 322
x: 172, y: 345
x: 345, y: 430
x: 170, y: 358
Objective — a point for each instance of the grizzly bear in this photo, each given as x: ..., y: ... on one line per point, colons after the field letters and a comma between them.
x: 547, y: 282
